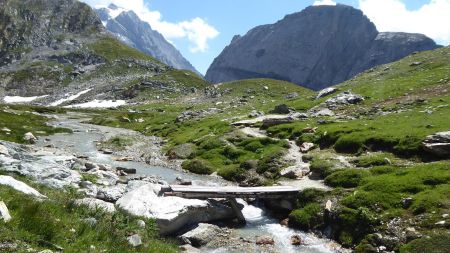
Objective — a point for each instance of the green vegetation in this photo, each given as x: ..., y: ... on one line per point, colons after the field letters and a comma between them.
x: 435, y: 243
x: 111, y: 49
x: 19, y: 123
x: 57, y: 222
x: 400, y: 133
x: 306, y: 217
x: 377, y: 196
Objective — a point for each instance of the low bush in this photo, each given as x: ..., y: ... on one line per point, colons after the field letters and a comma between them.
x: 306, y: 217
x: 197, y: 166
x: 347, y: 178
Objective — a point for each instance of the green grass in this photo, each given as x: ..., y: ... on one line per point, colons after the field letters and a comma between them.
x: 23, y: 122
x: 401, y: 78
x: 57, y: 221
x: 111, y: 49
x: 438, y: 242
x: 401, y: 133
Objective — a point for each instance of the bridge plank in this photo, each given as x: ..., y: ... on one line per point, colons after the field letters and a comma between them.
x: 203, y: 192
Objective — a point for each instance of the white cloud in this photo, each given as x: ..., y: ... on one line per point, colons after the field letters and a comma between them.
x: 432, y: 19
x: 196, y: 30
x: 324, y: 2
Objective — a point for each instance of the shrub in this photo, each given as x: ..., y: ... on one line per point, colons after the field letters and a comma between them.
x: 306, y: 217
x: 351, y: 143
x: 308, y: 196
x: 346, y: 178
x: 372, y: 160
x: 197, y: 166
x: 321, y: 167
x: 233, y: 173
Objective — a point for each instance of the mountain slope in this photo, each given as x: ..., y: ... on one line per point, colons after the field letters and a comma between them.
x: 316, y: 48
x: 58, y: 53
x: 136, y: 33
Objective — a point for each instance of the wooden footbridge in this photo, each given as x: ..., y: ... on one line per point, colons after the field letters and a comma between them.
x: 231, y: 193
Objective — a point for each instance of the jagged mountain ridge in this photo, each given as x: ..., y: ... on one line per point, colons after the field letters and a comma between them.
x: 316, y: 48
x: 130, y: 29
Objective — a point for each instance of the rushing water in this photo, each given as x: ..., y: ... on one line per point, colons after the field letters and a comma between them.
x: 83, y: 142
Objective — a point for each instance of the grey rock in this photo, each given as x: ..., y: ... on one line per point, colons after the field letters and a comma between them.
x: 325, y: 92
x: 141, y: 223
x: 135, y: 240
x: 316, y: 48
x: 133, y: 31
x: 3, y: 150
x: 171, y: 213
x: 281, y: 109
x: 4, y: 212
x: 438, y: 144
x: 30, y: 138
x: 96, y: 204
x: 20, y: 186
x: 111, y: 193
x: 276, y: 121
x: 45, y: 168
x: 201, y: 235
x: 323, y: 113
x: 292, y: 95
x: 344, y: 98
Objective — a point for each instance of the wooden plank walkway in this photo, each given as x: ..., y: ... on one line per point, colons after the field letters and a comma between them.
x: 231, y: 193
x: 204, y: 192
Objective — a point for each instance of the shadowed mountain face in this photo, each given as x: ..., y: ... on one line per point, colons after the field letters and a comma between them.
x: 316, y: 48
x: 28, y: 24
x: 129, y: 28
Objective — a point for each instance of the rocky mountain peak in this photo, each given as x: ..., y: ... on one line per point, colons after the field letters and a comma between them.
x: 130, y: 29
x: 316, y: 48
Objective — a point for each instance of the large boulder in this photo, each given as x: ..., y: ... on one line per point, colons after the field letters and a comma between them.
x: 201, y: 235
x: 96, y: 204
x: 20, y: 186
x: 438, y: 144
x: 171, y: 213
x: 111, y: 193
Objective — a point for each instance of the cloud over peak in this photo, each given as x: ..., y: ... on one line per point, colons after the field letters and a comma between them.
x: 197, y: 31
x: 431, y: 19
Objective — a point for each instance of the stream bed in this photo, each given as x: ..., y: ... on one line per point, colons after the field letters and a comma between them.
x: 82, y: 142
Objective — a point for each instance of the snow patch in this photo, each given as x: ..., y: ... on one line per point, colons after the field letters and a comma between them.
x: 70, y: 98
x: 99, y: 104
x: 18, y: 99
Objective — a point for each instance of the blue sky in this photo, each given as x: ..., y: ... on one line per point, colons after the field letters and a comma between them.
x: 200, y: 29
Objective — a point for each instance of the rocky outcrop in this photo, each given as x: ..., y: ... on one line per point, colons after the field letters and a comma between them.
x: 171, y: 213
x: 45, y: 168
x: 438, y: 144
x: 316, y: 48
x: 36, y: 23
x: 133, y: 31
